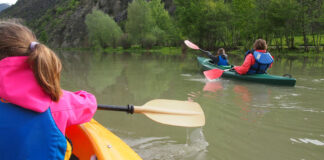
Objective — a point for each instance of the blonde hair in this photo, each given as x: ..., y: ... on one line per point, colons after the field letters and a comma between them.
x: 260, y: 44
x: 15, y: 40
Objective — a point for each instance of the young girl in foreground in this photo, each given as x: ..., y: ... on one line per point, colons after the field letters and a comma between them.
x: 34, y: 110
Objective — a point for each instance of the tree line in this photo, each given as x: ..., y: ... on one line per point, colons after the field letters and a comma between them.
x: 212, y: 24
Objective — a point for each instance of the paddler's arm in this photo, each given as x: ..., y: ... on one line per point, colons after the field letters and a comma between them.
x: 272, y: 62
x: 212, y: 57
x: 244, y: 68
x: 73, y: 108
x: 84, y: 106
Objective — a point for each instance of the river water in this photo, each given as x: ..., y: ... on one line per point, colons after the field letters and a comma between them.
x: 244, y: 121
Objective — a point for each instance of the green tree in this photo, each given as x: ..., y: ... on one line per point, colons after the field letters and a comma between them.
x: 263, y: 25
x: 102, y: 29
x: 243, y: 24
x: 205, y: 21
x: 214, y: 24
x: 284, y: 20
x: 164, y: 29
x: 139, y: 21
x: 317, y: 22
x: 305, y: 18
x: 187, y: 17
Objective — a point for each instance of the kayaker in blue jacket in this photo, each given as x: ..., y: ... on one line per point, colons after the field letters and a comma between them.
x: 221, y: 57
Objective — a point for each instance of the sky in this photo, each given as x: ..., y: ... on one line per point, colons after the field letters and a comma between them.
x: 8, y: 1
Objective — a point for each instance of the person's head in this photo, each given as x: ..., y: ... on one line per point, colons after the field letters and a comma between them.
x: 16, y: 40
x: 260, y: 44
x: 220, y: 51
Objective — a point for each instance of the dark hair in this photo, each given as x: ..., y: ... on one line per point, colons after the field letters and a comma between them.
x: 15, y: 40
x: 260, y: 44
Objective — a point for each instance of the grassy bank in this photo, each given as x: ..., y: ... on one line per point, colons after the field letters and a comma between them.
x: 299, y: 40
x: 138, y: 49
x: 178, y: 51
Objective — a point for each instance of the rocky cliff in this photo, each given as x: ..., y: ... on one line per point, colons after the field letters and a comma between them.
x: 60, y: 23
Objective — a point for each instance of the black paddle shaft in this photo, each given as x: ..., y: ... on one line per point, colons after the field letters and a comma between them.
x: 204, y: 51
x: 128, y: 108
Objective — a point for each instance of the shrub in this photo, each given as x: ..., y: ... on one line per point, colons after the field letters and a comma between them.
x: 102, y: 29
x: 149, y: 41
x: 124, y: 41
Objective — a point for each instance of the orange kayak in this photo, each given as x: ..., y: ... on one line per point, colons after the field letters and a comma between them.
x: 92, y: 140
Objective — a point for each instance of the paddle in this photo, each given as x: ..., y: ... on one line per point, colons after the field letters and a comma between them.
x: 170, y: 112
x: 193, y: 46
x: 210, y: 74
x: 214, y: 73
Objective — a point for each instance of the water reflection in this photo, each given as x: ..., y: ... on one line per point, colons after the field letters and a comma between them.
x: 245, y: 101
x: 214, y: 86
x: 277, y: 122
x: 253, y: 105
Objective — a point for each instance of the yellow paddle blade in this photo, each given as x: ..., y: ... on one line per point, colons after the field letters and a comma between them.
x: 173, y: 112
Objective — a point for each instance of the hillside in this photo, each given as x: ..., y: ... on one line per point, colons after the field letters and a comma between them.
x: 60, y: 23
x: 3, y: 6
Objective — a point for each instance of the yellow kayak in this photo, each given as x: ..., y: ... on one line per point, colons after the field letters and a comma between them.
x: 92, y: 140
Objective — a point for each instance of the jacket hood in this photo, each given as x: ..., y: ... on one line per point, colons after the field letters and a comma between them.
x: 19, y: 86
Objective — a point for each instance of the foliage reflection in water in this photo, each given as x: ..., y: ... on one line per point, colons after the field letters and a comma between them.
x: 244, y: 120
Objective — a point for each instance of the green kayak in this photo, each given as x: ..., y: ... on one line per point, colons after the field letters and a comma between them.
x: 206, y: 64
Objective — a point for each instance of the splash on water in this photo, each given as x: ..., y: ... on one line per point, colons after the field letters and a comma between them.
x: 279, y: 97
x: 262, y: 105
x: 310, y: 110
x: 195, y: 78
x: 288, y: 105
x: 304, y: 87
x: 203, y: 80
x: 307, y: 140
x: 186, y: 75
x: 295, y: 94
x: 165, y: 148
x: 295, y: 106
x: 318, y: 80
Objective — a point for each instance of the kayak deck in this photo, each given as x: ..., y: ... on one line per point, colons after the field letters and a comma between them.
x: 206, y: 64
x: 93, y: 140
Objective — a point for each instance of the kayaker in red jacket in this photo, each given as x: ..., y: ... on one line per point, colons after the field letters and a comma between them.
x: 256, y: 61
x: 34, y: 110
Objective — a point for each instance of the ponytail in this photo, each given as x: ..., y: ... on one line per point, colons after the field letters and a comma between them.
x: 18, y: 40
x: 46, y: 67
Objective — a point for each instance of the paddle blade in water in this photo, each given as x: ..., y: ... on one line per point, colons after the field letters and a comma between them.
x: 191, y: 45
x: 213, y: 73
x: 173, y: 112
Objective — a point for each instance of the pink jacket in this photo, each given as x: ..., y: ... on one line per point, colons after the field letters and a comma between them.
x: 19, y: 86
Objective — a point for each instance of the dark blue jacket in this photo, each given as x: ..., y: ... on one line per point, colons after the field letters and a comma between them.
x: 222, y: 61
x: 219, y: 60
x: 29, y: 135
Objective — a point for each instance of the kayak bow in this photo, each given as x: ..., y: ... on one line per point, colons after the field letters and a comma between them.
x: 91, y: 140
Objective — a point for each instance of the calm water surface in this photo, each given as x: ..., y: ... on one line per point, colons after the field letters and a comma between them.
x: 244, y: 121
